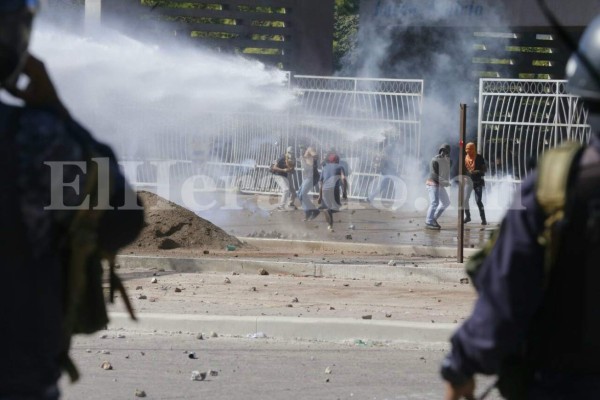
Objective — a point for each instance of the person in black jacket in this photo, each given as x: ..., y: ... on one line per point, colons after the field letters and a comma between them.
x: 475, y: 169
x: 39, y: 197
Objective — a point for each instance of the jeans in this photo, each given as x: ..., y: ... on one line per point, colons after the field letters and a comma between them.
x: 287, y: 194
x: 438, y: 202
x: 307, y: 204
x: 478, y: 196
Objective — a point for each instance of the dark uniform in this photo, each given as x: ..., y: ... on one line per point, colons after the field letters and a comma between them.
x: 542, y: 325
x: 33, y: 240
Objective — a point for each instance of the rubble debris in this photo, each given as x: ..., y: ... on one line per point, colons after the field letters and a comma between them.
x: 142, y: 297
x: 230, y: 247
x: 377, y: 284
x: 154, y: 280
x: 368, y: 316
x: 214, y: 334
x: 140, y: 393
x: 263, y: 271
x: 295, y: 300
x: 106, y: 366
x: 328, y: 370
x: 235, y: 273
x: 198, y: 376
x: 257, y: 335
x: 253, y: 289
x: 212, y: 372
x: 349, y: 237
x: 392, y: 263
x: 351, y: 227
x: 120, y: 336
x: 227, y: 280
x: 199, y: 336
x: 177, y: 290
x: 139, y: 288
x: 464, y: 281
x: 192, y: 355
x: 331, y: 308
x: 388, y: 315
x: 206, y: 252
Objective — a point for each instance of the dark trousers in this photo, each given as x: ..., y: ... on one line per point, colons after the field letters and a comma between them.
x: 478, y: 196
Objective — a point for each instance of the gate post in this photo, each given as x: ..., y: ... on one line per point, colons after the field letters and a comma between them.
x: 461, y: 183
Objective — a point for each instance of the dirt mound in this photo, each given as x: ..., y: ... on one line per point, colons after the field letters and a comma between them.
x: 170, y: 226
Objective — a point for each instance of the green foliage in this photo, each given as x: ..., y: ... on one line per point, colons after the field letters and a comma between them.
x: 345, y: 29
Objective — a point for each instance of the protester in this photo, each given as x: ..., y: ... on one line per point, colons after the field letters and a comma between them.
x: 282, y: 170
x: 438, y: 181
x: 35, y: 215
x: 310, y: 178
x: 332, y: 182
x: 475, y: 169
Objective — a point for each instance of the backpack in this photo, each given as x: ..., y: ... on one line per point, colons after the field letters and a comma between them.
x: 85, y: 303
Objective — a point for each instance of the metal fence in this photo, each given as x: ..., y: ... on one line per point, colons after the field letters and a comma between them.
x: 520, y: 119
x: 374, y: 125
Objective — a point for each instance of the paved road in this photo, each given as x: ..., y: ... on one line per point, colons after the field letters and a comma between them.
x: 370, y: 225
x: 250, y: 369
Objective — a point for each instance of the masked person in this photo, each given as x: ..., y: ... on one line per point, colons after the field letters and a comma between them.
x: 35, y: 213
x: 475, y: 169
x: 536, y: 322
x: 438, y: 181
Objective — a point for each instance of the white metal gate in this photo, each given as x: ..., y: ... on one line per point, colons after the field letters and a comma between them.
x: 360, y: 119
x: 520, y: 119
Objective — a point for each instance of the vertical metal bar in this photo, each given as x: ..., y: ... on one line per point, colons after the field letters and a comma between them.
x: 461, y: 184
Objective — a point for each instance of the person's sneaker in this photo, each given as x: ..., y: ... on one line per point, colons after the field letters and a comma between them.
x: 466, y: 219
x: 314, y: 215
x: 330, y: 228
x: 436, y: 224
x: 484, y: 222
x: 280, y: 208
x: 433, y: 227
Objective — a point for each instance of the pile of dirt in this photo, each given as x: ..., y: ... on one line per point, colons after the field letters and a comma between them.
x: 170, y: 226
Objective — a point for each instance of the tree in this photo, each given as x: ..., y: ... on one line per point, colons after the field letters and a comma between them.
x: 345, y: 29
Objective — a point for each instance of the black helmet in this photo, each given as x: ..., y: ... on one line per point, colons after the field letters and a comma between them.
x: 581, y: 81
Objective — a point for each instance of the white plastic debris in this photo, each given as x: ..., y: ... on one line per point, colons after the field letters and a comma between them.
x: 198, y: 376
x: 257, y: 335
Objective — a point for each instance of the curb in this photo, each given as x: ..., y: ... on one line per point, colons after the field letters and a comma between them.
x: 323, y: 329
x: 449, y: 272
x: 366, y: 248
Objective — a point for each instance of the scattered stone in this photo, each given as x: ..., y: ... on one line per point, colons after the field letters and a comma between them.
x: 327, y: 380
x: 140, y: 393
x: 349, y: 237
x: 328, y: 370
x: 378, y: 284
x: 289, y: 305
x: 104, y: 352
x: 138, y: 288
x: 295, y: 300
x: 104, y: 336
x: 106, y: 366
x: 257, y: 335
x: 263, y: 271
x: 227, y: 280
x: 142, y: 297
x: 88, y: 350
x: 346, y: 284
x: 198, y: 376
x: 464, y: 281
x: 168, y: 244
x: 199, y: 336
x: 253, y: 289
x: 388, y: 315
x: 152, y: 299
x: 214, y: 334
x: 177, y: 290
x: 192, y: 355
x: 332, y: 308
x: 368, y: 316
x: 154, y: 280
x: 392, y: 263
x: 235, y: 273
x: 410, y: 290
x: 206, y: 252
x: 120, y: 336
x: 351, y: 227
x: 213, y: 372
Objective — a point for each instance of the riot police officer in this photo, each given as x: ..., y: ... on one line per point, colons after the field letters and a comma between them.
x: 536, y: 322
x: 33, y: 226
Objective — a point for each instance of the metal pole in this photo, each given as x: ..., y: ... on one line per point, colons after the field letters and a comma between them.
x: 461, y: 183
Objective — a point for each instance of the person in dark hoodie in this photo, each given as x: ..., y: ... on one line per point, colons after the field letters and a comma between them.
x: 475, y: 169
x: 438, y: 181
